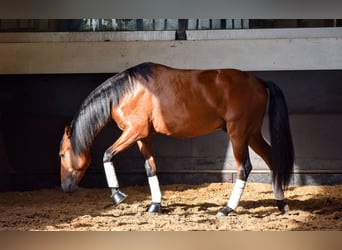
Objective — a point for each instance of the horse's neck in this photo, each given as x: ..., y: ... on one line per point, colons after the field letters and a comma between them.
x: 86, y: 130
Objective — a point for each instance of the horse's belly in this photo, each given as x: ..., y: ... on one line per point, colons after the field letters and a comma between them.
x: 185, y: 125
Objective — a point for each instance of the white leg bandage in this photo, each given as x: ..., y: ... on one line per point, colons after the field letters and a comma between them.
x: 112, y: 180
x: 236, y: 194
x: 278, y: 191
x: 155, y: 189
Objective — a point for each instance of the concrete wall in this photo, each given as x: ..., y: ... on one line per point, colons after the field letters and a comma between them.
x: 38, y: 98
x: 305, y: 49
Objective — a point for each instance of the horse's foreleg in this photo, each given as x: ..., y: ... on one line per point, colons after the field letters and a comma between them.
x: 155, y: 206
x: 145, y: 147
x: 123, y: 142
x: 113, y: 184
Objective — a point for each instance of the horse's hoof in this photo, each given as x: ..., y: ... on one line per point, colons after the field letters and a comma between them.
x: 224, y: 211
x: 282, y: 206
x: 118, y: 197
x: 154, y: 207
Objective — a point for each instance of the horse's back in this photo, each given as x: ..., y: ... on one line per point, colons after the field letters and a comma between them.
x: 194, y: 102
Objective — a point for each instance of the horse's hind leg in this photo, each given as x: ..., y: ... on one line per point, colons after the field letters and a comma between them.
x: 239, y: 140
x: 145, y: 147
x: 263, y: 149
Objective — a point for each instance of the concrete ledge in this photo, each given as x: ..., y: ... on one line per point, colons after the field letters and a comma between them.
x: 96, y: 56
x: 230, y: 34
x: 105, y: 57
x: 294, y: 33
x: 41, y: 37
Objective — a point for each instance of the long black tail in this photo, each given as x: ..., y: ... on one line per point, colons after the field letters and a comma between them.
x: 282, y: 158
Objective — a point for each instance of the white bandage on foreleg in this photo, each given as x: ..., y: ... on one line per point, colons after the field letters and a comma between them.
x: 278, y: 191
x: 112, y: 180
x: 236, y: 194
x: 155, y: 189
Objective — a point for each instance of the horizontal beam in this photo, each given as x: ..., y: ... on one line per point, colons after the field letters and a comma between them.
x: 264, y: 54
x: 98, y: 36
x: 291, y: 33
x: 224, y: 34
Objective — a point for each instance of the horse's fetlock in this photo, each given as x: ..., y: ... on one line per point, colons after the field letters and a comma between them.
x: 107, y: 157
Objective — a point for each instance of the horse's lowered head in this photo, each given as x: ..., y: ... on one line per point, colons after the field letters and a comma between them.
x: 73, y: 166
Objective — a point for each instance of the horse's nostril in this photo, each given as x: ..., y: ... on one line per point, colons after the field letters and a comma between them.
x: 72, y: 188
x: 69, y: 186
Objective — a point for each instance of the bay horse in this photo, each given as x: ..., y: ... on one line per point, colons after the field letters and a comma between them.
x: 152, y: 98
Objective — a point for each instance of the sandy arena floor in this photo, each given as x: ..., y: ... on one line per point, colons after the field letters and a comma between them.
x: 185, y: 208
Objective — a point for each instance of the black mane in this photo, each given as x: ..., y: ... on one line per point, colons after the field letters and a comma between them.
x: 95, y: 110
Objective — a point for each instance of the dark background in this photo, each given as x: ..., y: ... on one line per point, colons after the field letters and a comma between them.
x: 35, y: 108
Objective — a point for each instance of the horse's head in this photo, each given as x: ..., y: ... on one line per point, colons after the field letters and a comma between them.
x: 73, y: 166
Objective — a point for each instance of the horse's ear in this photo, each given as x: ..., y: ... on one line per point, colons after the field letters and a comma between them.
x: 67, y: 131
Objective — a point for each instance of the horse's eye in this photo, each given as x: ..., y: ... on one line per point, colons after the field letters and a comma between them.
x: 61, y: 155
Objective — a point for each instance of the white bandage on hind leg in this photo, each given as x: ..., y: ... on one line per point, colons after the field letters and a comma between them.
x: 236, y: 194
x: 155, y: 189
x: 112, y: 180
x: 278, y: 191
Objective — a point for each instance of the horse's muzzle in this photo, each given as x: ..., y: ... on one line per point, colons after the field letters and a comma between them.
x: 69, y: 185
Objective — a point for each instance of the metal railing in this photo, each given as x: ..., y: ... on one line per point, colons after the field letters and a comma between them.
x: 121, y: 25
x: 161, y: 24
x: 79, y: 25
